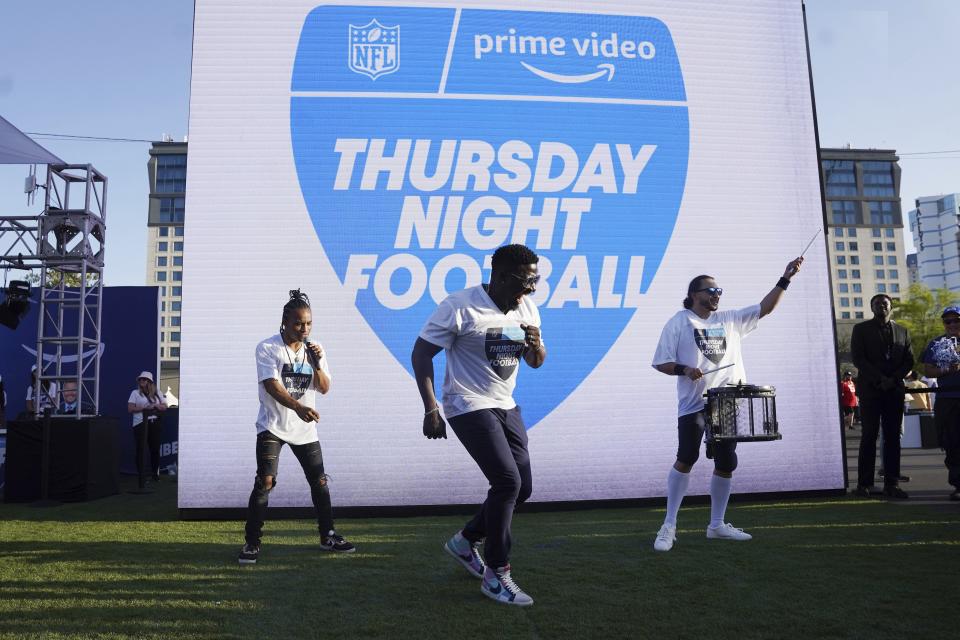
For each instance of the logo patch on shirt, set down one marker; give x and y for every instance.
(504, 346)
(712, 343)
(296, 381)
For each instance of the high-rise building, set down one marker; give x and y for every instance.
(913, 271)
(167, 171)
(864, 223)
(937, 239)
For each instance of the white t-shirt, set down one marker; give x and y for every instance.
(277, 361)
(140, 401)
(47, 398)
(483, 347)
(690, 340)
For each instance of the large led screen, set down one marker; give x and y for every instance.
(374, 156)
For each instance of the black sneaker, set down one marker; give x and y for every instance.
(249, 554)
(334, 542)
(893, 491)
(862, 491)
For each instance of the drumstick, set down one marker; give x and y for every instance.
(811, 242)
(719, 368)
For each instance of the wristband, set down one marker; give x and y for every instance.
(431, 411)
(783, 283)
(679, 370)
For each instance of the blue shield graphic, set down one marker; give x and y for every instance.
(374, 49)
(565, 132)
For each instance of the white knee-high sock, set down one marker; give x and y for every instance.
(719, 496)
(677, 484)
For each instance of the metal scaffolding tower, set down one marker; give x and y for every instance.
(66, 242)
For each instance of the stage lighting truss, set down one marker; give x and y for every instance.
(66, 243)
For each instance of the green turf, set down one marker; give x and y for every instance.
(819, 568)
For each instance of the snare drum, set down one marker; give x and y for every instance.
(741, 413)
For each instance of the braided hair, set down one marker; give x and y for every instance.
(692, 288)
(297, 300)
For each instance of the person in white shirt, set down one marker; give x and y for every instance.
(290, 368)
(486, 330)
(146, 405)
(695, 345)
(48, 397)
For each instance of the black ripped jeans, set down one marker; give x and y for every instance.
(268, 460)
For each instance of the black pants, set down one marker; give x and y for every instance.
(268, 460)
(497, 441)
(946, 414)
(146, 435)
(880, 412)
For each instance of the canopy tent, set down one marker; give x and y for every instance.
(16, 147)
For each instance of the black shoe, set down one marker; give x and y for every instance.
(893, 491)
(903, 478)
(249, 554)
(861, 491)
(334, 542)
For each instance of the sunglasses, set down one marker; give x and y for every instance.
(951, 320)
(714, 291)
(528, 282)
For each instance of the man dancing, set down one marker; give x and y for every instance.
(485, 330)
(697, 345)
(290, 368)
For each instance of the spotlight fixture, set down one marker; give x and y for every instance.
(16, 304)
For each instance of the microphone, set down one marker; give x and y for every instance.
(313, 358)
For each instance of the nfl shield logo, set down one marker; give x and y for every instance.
(373, 49)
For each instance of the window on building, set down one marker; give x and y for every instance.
(855, 274)
(174, 336)
(854, 259)
(841, 259)
(844, 302)
(878, 260)
(894, 288)
(163, 321)
(882, 213)
(878, 274)
(877, 178)
(840, 177)
(161, 276)
(178, 246)
(853, 246)
(893, 274)
(858, 302)
(177, 276)
(844, 212)
(174, 352)
(843, 287)
(839, 246)
(891, 259)
(161, 336)
(842, 274)
(878, 246)
(851, 232)
(163, 232)
(888, 233)
(876, 233)
(171, 210)
(857, 287)
(161, 352)
(177, 291)
(163, 291)
(178, 232)
(858, 315)
(174, 321)
(891, 246)
(163, 305)
(161, 261)
(175, 305)
(171, 173)
(844, 315)
(161, 246)
(881, 287)
(178, 261)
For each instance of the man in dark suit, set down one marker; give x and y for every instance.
(882, 354)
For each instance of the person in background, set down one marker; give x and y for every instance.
(848, 398)
(47, 400)
(69, 399)
(146, 405)
(916, 401)
(941, 360)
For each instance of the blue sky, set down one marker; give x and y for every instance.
(883, 75)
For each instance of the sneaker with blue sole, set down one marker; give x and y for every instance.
(500, 587)
(466, 553)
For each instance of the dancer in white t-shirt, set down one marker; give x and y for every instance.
(486, 330)
(695, 345)
(290, 368)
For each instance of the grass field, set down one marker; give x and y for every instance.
(818, 568)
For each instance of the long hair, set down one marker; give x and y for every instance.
(297, 300)
(691, 288)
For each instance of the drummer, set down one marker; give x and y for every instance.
(701, 346)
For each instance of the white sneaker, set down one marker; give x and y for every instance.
(500, 587)
(665, 538)
(727, 531)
